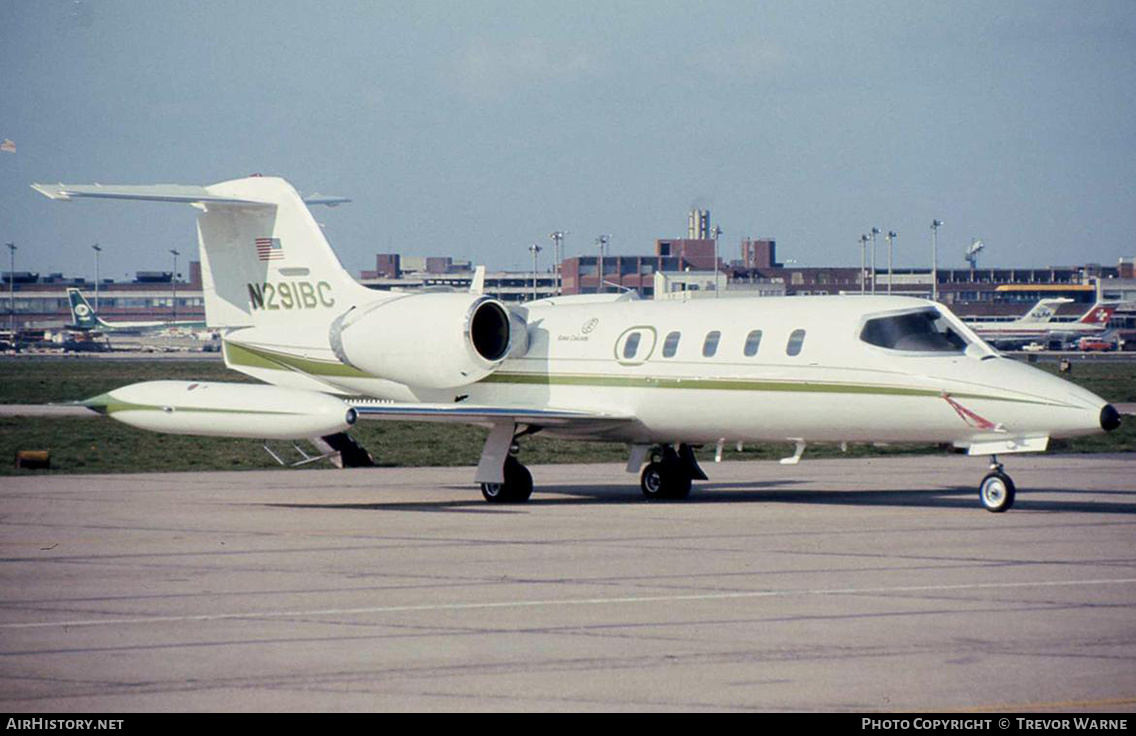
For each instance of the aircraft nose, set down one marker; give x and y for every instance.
(1109, 418)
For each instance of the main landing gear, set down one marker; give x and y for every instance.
(669, 474)
(517, 488)
(996, 492)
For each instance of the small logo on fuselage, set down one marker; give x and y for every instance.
(582, 335)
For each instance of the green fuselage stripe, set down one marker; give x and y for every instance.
(731, 384)
(259, 358)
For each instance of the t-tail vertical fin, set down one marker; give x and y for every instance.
(264, 259)
(1100, 314)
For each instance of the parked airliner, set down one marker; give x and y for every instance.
(659, 376)
(1039, 325)
(84, 317)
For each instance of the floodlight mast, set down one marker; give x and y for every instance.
(891, 237)
(558, 239)
(602, 242)
(12, 290)
(534, 249)
(935, 225)
(863, 265)
(875, 232)
(173, 284)
(717, 231)
(98, 251)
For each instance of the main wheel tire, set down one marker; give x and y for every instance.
(664, 481)
(651, 481)
(996, 492)
(517, 488)
(493, 492)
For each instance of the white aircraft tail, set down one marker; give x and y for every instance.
(1044, 310)
(264, 259)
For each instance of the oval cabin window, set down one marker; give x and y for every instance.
(710, 346)
(632, 345)
(796, 341)
(635, 345)
(753, 342)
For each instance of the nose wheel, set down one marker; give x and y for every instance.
(996, 492)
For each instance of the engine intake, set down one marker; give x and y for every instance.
(434, 340)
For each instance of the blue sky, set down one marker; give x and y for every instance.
(476, 128)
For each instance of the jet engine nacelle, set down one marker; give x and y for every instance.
(226, 409)
(432, 340)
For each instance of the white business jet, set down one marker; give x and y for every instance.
(660, 376)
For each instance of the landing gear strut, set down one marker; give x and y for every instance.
(517, 488)
(668, 475)
(996, 492)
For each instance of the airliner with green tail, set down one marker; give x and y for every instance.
(84, 317)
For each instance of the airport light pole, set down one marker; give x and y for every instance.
(173, 284)
(534, 249)
(891, 236)
(557, 254)
(602, 242)
(717, 232)
(875, 232)
(935, 225)
(863, 248)
(98, 250)
(12, 290)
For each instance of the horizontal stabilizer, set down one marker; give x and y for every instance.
(178, 193)
(152, 193)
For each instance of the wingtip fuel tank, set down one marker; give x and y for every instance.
(225, 409)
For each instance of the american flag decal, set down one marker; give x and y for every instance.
(269, 249)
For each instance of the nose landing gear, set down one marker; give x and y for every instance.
(996, 492)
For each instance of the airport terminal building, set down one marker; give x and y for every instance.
(681, 268)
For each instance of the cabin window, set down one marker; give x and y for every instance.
(710, 346)
(796, 340)
(920, 332)
(635, 345)
(670, 346)
(753, 342)
(632, 345)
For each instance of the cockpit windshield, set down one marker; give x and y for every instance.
(926, 331)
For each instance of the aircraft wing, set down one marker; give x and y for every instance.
(488, 416)
(502, 421)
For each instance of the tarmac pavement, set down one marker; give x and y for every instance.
(837, 585)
